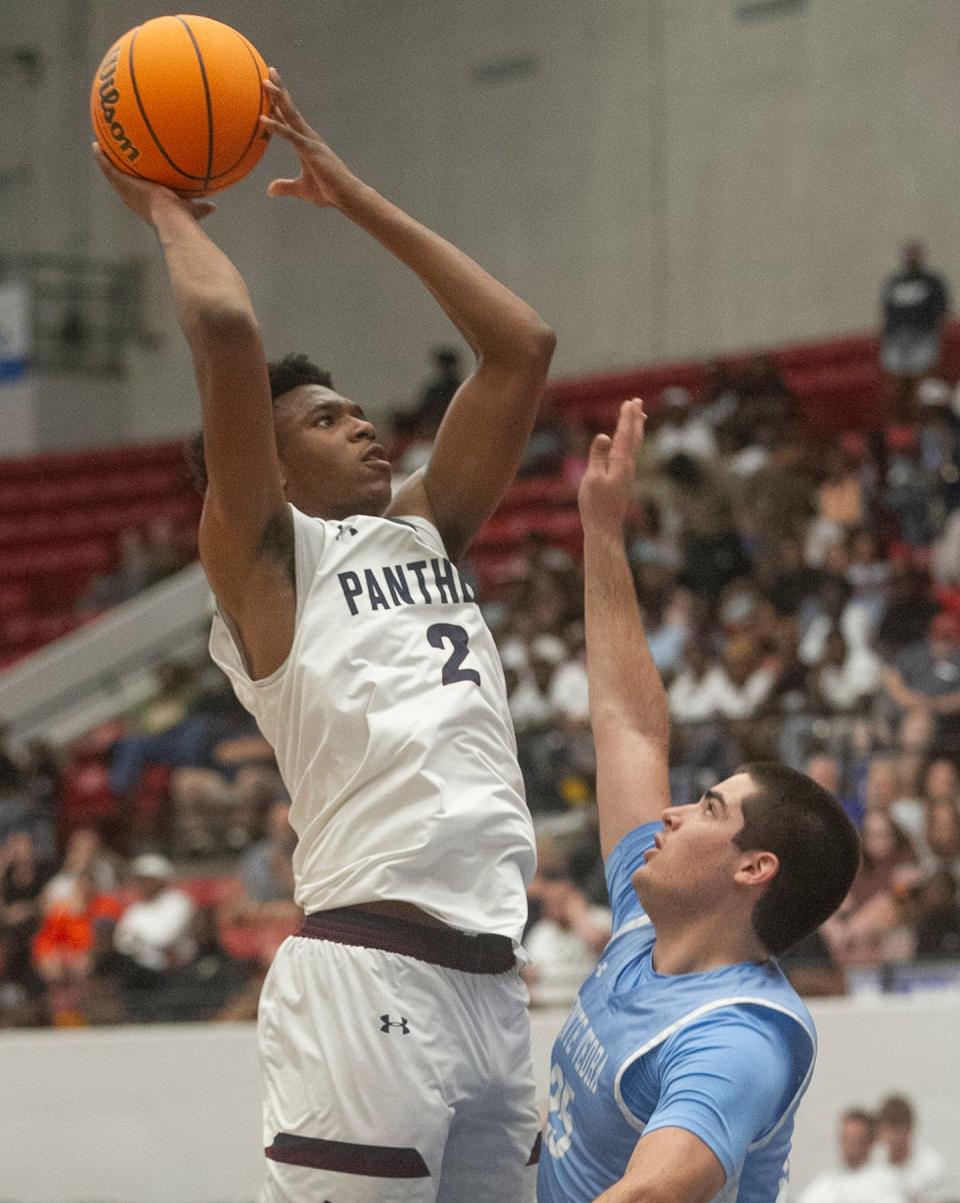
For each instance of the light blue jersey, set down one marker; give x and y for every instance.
(725, 1054)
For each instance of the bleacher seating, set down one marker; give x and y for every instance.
(60, 516)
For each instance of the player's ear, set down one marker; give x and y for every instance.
(757, 868)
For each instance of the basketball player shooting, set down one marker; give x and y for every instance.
(678, 1072)
(393, 1030)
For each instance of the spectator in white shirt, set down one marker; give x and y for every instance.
(694, 695)
(919, 1170)
(856, 1180)
(565, 943)
(845, 675)
(155, 931)
(745, 683)
(683, 431)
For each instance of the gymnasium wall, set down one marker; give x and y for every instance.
(171, 1114)
(660, 178)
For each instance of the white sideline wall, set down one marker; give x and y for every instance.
(170, 1114)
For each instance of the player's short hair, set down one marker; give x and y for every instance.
(859, 1115)
(816, 844)
(895, 1112)
(293, 371)
(285, 374)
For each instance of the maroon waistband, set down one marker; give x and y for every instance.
(436, 945)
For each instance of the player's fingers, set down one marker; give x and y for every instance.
(599, 453)
(202, 208)
(104, 163)
(279, 95)
(285, 130)
(623, 437)
(284, 187)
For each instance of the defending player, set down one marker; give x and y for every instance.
(394, 1036)
(678, 1072)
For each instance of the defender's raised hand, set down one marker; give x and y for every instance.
(324, 177)
(606, 490)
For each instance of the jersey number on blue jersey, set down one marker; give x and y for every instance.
(448, 632)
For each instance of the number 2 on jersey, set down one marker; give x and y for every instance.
(447, 632)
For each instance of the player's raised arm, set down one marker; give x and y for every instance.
(628, 704)
(483, 434)
(246, 536)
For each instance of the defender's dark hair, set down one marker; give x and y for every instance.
(816, 844)
(285, 374)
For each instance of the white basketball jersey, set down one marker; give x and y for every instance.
(391, 729)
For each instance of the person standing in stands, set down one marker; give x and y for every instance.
(914, 303)
(394, 1032)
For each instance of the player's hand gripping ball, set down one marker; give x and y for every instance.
(178, 101)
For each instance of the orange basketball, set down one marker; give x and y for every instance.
(177, 101)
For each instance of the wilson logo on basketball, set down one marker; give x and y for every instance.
(109, 95)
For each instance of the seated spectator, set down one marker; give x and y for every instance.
(868, 573)
(11, 777)
(825, 770)
(209, 985)
(267, 869)
(841, 506)
(745, 681)
(926, 677)
(906, 490)
(85, 854)
(831, 609)
(942, 843)
(695, 692)
(920, 1170)
(786, 578)
(938, 920)
(871, 912)
(909, 612)
(74, 929)
(153, 936)
(683, 430)
(22, 878)
(844, 677)
(260, 913)
(857, 1179)
(565, 941)
(143, 559)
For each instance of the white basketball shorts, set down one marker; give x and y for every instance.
(388, 1079)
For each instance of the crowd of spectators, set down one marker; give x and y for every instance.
(802, 602)
(881, 1161)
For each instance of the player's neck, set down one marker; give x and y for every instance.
(685, 946)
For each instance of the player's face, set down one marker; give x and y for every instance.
(332, 464)
(695, 859)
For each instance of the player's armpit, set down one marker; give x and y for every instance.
(670, 1165)
(480, 444)
(253, 576)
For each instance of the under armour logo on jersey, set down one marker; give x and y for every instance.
(387, 1023)
(602, 969)
(343, 529)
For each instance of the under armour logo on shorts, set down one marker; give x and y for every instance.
(387, 1023)
(343, 529)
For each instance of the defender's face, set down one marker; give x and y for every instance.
(695, 859)
(331, 462)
